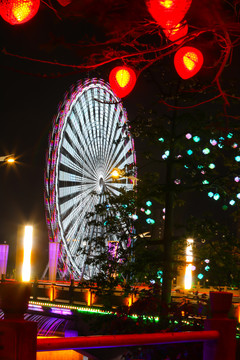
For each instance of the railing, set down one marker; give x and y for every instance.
(18, 338)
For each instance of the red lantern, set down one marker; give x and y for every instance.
(18, 11)
(122, 80)
(188, 61)
(177, 32)
(168, 13)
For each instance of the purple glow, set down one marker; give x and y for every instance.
(61, 311)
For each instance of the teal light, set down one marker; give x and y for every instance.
(224, 207)
(205, 182)
(206, 151)
(189, 152)
(148, 212)
(148, 203)
(200, 276)
(210, 194)
(150, 221)
(186, 167)
(207, 268)
(230, 135)
(167, 152)
(237, 158)
(161, 139)
(232, 202)
(200, 167)
(216, 196)
(238, 195)
(196, 138)
(211, 166)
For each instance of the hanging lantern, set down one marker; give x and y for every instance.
(18, 11)
(168, 13)
(188, 61)
(177, 32)
(122, 80)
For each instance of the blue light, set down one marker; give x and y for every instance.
(216, 196)
(232, 202)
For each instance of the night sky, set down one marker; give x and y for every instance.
(31, 92)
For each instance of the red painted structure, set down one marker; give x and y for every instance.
(106, 341)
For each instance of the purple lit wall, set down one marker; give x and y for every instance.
(53, 260)
(3, 258)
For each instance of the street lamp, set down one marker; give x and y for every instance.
(120, 173)
(7, 158)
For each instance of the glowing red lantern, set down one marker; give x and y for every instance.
(188, 61)
(122, 80)
(177, 32)
(18, 11)
(168, 13)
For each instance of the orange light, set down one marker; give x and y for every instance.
(10, 160)
(122, 80)
(123, 77)
(167, 3)
(18, 11)
(188, 61)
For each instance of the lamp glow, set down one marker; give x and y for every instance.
(27, 249)
(188, 269)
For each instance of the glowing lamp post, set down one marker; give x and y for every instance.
(27, 249)
(188, 61)
(119, 173)
(122, 80)
(18, 11)
(168, 13)
(188, 269)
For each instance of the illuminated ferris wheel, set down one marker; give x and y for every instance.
(90, 138)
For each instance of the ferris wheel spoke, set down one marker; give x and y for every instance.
(79, 126)
(72, 152)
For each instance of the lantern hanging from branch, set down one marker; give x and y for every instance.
(122, 80)
(177, 32)
(188, 61)
(18, 11)
(168, 13)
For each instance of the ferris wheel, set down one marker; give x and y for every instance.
(90, 138)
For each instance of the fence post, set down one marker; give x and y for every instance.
(18, 337)
(225, 348)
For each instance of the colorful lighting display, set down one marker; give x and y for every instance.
(188, 61)
(18, 11)
(122, 80)
(168, 13)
